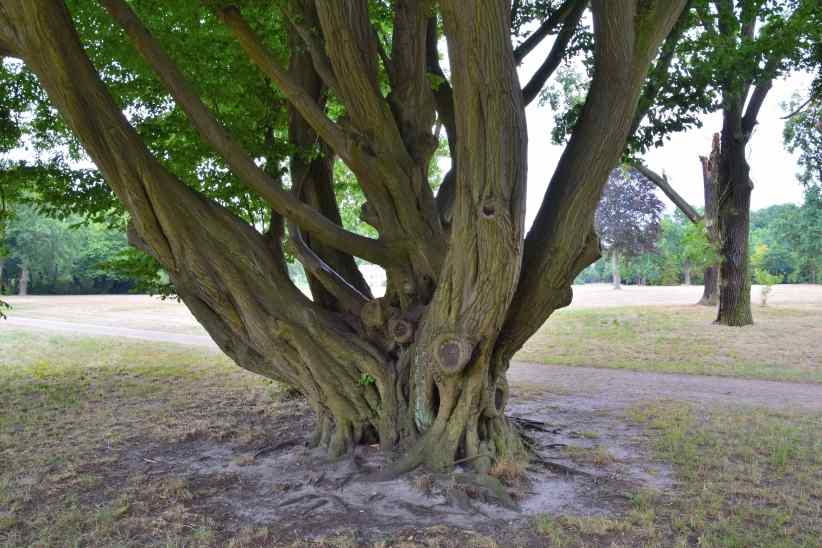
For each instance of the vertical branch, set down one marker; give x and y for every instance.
(561, 241)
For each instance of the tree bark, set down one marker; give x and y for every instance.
(710, 168)
(687, 272)
(710, 291)
(421, 370)
(734, 188)
(616, 280)
(23, 284)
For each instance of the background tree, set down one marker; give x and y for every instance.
(738, 51)
(434, 349)
(703, 241)
(722, 56)
(628, 217)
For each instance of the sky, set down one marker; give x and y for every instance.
(773, 169)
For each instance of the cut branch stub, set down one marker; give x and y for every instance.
(402, 331)
(372, 314)
(452, 353)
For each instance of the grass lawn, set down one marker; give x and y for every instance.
(71, 408)
(784, 344)
(77, 411)
(744, 478)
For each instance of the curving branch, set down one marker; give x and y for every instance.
(236, 157)
(546, 28)
(534, 86)
(444, 99)
(662, 183)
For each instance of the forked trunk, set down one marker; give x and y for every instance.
(616, 279)
(710, 177)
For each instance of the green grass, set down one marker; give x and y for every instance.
(744, 478)
(784, 344)
(71, 409)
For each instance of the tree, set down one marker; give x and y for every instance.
(703, 238)
(743, 46)
(423, 368)
(628, 217)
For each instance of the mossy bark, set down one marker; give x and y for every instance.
(421, 371)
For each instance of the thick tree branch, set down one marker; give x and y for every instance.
(238, 159)
(758, 96)
(306, 25)
(534, 86)
(662, 183)
(352, 48)
(555, 242)
(546, 28)
(265, 60)
(411, 99)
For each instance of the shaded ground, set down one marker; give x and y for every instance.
(112, 441)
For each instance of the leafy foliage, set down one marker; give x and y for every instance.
(628, 216)
(63, 255)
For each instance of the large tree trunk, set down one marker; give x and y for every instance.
(616, 280)
(23, 284)
(733, 214)
(421, 370)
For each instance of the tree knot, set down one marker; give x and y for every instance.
(452, 353)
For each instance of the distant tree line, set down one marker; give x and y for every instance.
(47, 255)
(785, 241)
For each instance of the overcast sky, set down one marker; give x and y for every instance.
(773, 169)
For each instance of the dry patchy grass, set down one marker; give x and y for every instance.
(745, 478)
(784, 344)
(71, 409)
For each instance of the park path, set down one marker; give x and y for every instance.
(596, 389)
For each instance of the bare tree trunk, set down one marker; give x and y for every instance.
(710, 169)
(23, 285)
(2, 281)
(687, 272)
(616, 280)
(734, 207)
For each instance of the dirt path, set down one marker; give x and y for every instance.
(108, 331)
(596, 389)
